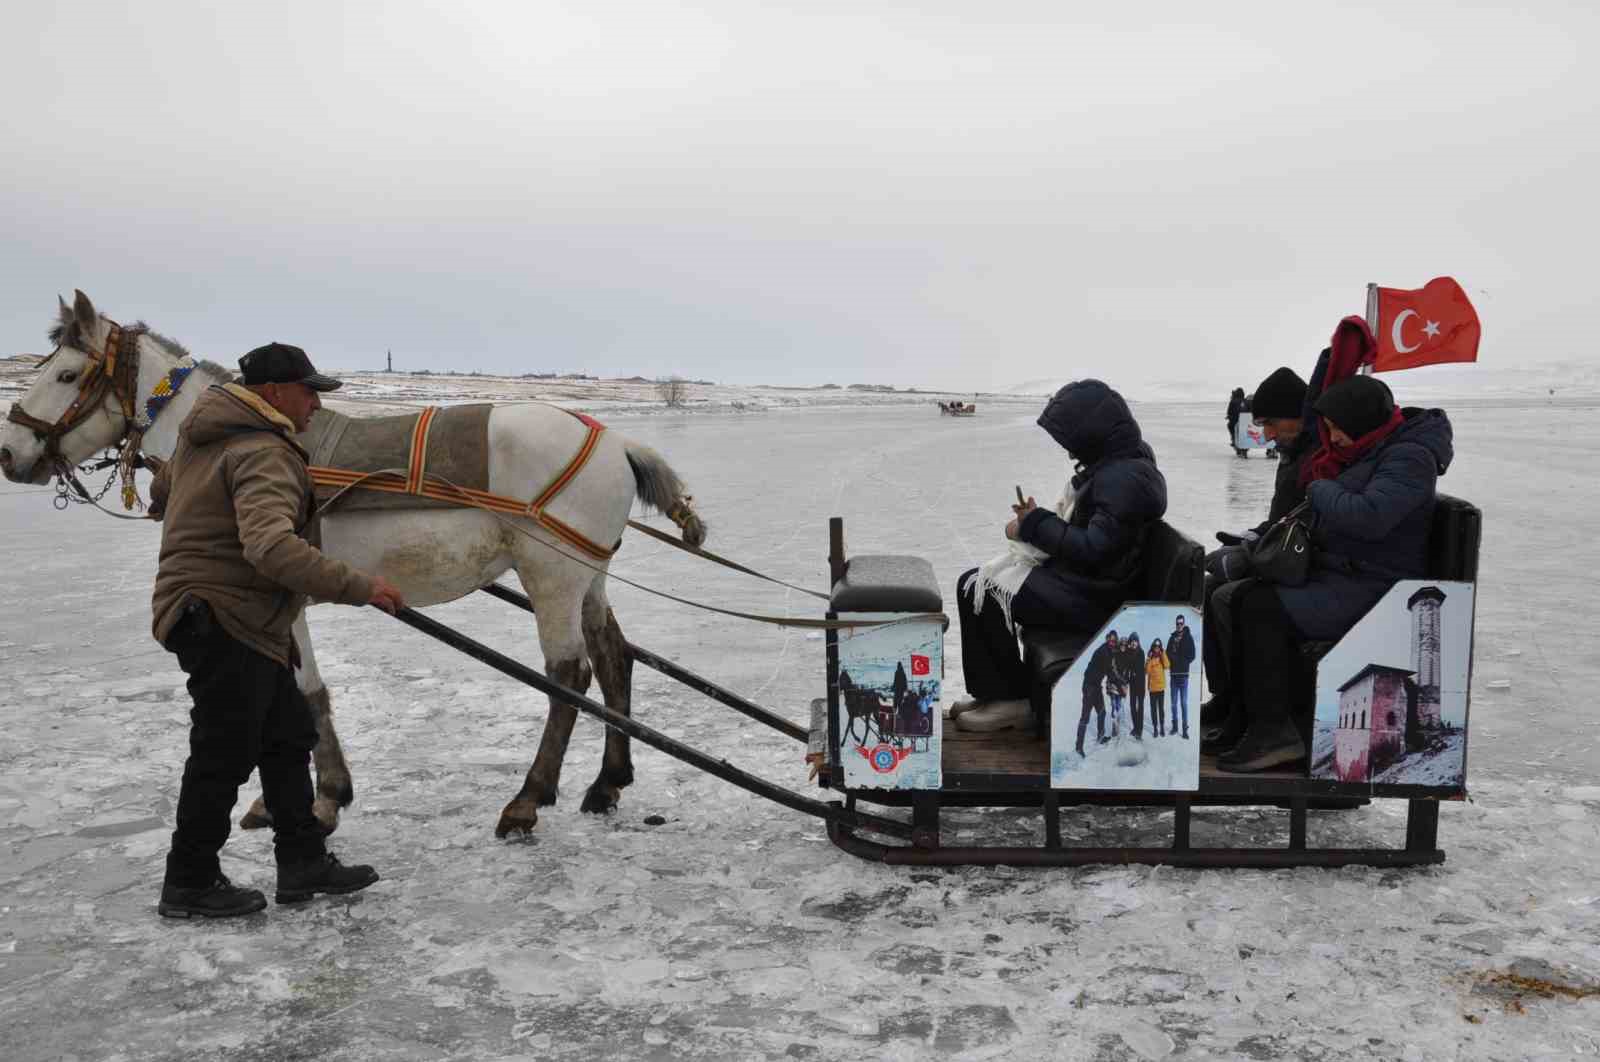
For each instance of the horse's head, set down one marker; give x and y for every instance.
(77, 405)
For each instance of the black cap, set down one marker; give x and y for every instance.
(281, 363)
(1358, 405)
(1281, 395)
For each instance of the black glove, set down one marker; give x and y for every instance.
(1228, 563)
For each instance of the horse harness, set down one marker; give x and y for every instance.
(416, 481)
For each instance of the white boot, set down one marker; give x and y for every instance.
(993, 715)
(966, 705)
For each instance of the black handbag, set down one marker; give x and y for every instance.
(1283, 554)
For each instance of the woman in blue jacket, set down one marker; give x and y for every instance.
(1370, 489)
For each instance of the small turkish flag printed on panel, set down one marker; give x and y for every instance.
(1429, 326)
(919, 664)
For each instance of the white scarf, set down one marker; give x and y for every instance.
(1004, 575)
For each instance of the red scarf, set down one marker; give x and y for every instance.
(1333, 459)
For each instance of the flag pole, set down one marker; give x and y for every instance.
(1372, 317)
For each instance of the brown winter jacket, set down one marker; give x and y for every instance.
(236, 508)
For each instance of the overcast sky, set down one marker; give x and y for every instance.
(961, 195)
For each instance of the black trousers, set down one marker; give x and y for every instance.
(1136, 709)
(248, 714)
(1157, 718)
(1267, 656)
(1218, 641)
(991, 660)
(1094, 699)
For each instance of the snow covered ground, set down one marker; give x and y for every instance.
(734, 929)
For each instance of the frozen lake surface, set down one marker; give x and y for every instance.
(735, 930)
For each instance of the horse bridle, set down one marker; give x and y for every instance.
(115, 368)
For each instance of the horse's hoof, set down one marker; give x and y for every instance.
(548, 800)
(257, 818)
(326, 812)
(517, 820)
(600, 800)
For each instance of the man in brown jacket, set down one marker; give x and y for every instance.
(238, 563)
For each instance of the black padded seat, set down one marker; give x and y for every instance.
(877, 582)
(1453, 539)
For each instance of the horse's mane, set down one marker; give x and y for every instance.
(65, 332)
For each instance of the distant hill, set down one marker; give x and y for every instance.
(1556, 379)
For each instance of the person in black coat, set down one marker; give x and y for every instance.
(1278, 407)
(1102, 665)
(1180, 657)
(1371, 487)
(1095, 555)
(1235, 408)
(1131, 664)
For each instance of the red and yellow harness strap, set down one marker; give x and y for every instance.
(416, 481)
(419, 451)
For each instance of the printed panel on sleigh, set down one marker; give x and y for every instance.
(887, 715)
(1122, 717)
(1248, 436)
(1391, 712)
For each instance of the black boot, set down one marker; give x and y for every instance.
(323, 873)
(1215, 712)
(221, 899)
(1220, 740)
(1265, 746)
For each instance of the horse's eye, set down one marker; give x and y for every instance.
(67, 376)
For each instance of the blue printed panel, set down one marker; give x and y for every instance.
(1248, 436)
(1126, 715)
(889, 710)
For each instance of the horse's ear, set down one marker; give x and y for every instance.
(83, 312)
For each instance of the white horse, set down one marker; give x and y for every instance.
(84, 401)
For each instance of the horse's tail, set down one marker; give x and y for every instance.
(660, 488)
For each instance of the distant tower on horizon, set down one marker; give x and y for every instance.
(390, 353)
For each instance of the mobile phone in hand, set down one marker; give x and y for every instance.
(1020, 499)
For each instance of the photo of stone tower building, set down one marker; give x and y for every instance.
(1374, 703)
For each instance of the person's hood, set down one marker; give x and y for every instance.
(1367, 350)
(231, 409)
(1092, 422)
(1429, 428)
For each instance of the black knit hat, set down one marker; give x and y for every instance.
(1281, 395)
(281, 363)
(1357, 406)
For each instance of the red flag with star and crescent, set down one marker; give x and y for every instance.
(1432, 325)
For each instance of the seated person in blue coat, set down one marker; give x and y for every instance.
(1067, 568)
(1370, 488)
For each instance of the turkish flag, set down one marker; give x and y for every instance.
(919, 664)
(1429, 326)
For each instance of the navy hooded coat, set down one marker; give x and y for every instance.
(1096, 555)
(1370, 526)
